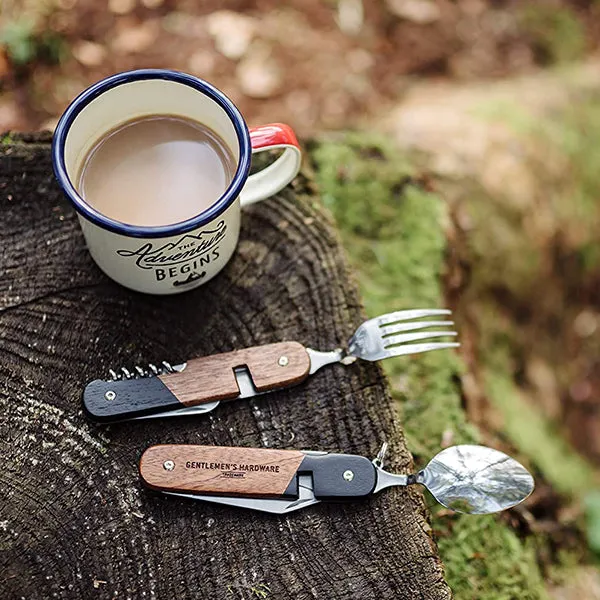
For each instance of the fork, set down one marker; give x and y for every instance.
(198, 386)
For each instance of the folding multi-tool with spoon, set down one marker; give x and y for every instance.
(198, 386)
(467, 478)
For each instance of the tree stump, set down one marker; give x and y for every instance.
(76, 522)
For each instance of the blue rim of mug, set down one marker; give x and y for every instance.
(93, 92)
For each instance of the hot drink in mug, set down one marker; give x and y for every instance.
(156, 164)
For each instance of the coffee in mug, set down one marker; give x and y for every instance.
(157, 164)
(156, 170)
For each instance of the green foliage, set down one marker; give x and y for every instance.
(557, 34)
(592, 516)
(577, 135)
(393, 230)
(535, 437)
(24, 44)
(18, 39)
(545, 275)
(494, 563)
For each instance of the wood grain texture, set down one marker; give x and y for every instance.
(73, 509)
(211, 377)
(210, 470)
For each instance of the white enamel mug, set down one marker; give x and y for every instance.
(171, 258)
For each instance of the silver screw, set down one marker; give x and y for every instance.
(110, 395)
(348, 475)
(168, 465)
(283, 361)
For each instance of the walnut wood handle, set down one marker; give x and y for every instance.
(224, 471)
(255, 472)
(205, 379)
(211, 377)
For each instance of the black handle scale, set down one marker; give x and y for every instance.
(129, 398)
(336, 476)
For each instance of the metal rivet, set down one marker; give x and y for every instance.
(168, 465)
(283, 361)
(348, 475)
(110, 395)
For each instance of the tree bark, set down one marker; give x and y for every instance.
(76, 522)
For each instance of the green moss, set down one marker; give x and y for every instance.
(538, 439)
(7, 139)
(495, 563)
(555, 31)
(393, 230)
(570, 192)
(526, 309)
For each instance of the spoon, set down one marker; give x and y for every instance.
(469, 479)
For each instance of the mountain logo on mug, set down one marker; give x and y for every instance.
(186, 248)
(185, 257)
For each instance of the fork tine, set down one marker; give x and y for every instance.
(418, 348)
(405, 315)
(389, 329)
(411, 337)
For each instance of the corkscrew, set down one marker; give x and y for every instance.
(151, 370)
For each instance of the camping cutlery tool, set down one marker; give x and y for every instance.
(197, 387)
(468, 479)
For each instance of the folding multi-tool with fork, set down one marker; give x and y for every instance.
(198, 386)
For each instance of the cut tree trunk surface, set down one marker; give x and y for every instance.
(75, 521)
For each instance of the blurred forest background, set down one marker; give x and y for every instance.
(475, 183)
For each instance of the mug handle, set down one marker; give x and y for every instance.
(278, 174)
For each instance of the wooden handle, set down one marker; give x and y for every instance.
(205, 379)
(249, 472)
(211, 378)
(255, 472)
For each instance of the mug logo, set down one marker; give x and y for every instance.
(182, 261)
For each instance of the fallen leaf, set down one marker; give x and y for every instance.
(201, 62)
(89, 54)
(417, 11)
(350, 16)
(231, 32)
(121, 7)
(135, 39)
(258, 74)
(586, 323)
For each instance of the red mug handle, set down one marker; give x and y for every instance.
(279, 173)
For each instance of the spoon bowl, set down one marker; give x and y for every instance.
(476, 480)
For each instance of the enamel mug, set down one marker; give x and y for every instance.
(175, 258)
